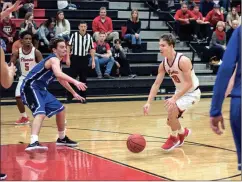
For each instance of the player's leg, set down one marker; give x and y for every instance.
(33, 99)
(23, 118)
(184, 103)
(235, 120)
(172, 121)
(54, 107)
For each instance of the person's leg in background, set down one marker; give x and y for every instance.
(113, 36)
(84, 61)
(72, 72)
(96, 36)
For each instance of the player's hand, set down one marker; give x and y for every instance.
(214, 124)
(93, 64)
(146, 108)
(80, 86)
(170, 103)
(78, 97)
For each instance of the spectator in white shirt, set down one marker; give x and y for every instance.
(63, 28)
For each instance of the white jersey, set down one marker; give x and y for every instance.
(177, 74)
(27, 61)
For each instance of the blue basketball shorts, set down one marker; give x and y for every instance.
(40, 101)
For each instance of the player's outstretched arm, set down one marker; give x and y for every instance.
(14, 57)
(7, 72)
(55, 65)
(70, 89)
(38, 56)
(186, 67)
(155, 87)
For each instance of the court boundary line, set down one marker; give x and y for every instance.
(123, 164)
(227, 177)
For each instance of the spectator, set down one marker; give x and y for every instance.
(225, 4)
(63, 28)
(30, 26)
(203, 28)
(65, 5)
(214, 16)
(3, 45)
(121, 60)
(218, 42)
(206, 6)
(233, 15)
(8, 32)
(103, 23)
(235, 24)
(103, 56)
(28, 7)
(185, 22)
(133, 31)
(190, 4)
(46, 32)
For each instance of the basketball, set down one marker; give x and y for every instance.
(136, 143)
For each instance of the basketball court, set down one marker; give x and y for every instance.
(102, 129)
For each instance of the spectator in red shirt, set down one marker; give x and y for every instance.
(214, 16)
(103, 56)
(185, 23)
(104, 23)
(8, 32)
(203, 28)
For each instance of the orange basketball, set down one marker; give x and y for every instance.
(136, 143)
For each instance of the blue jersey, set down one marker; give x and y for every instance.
(40, 77)
(230, 59)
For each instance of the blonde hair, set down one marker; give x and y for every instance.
(220, 23)
(132, 12)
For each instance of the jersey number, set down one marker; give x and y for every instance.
(26, 65)
(175, 78)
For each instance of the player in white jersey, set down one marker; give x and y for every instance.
(28, 56)
(187, 92)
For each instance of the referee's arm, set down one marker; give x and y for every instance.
(92, 52)
(69, 45)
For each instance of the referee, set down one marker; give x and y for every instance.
(80, 44)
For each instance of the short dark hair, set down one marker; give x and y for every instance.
(82, 22)
(169, 38)
(54, 42)
(25, 33)
(117, 41)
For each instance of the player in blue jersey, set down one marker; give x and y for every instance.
(42, 103)
(231, 58)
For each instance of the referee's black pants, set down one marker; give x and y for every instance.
(79, 67)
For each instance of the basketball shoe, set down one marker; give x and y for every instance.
(36, 146)
(182, 137)
(171, 143)
(3, 176)
(22, 120)
(66, 142)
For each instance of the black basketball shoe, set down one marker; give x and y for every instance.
(36, 146)
(66, 142)
(3, 176)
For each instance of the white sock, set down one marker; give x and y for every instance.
(181, 131)
(34, 138)
(24, 114)
(65, 121)
(62, 134)
(174, 133)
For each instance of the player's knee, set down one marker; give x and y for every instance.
(168, 122)
(173, 113)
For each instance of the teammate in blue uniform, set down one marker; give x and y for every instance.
(35, 95)
(231, 58)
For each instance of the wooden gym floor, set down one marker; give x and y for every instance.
(102, 129)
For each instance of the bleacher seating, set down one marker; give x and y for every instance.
(143, 64)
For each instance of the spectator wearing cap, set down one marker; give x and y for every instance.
(214, 16)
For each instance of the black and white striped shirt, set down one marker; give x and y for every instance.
(81, 44)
